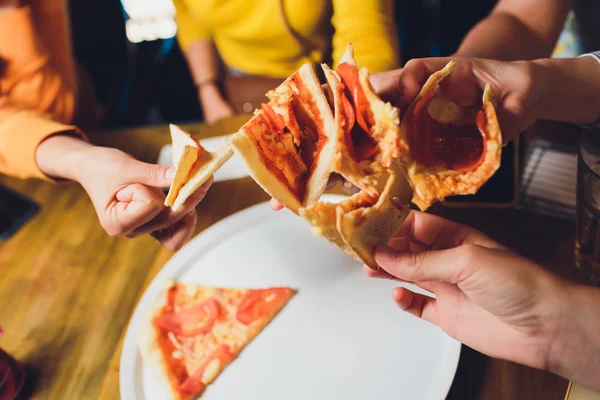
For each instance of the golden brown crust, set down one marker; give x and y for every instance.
(364, 228)
(190, 173)
(183, 167)
(435, 184)
(151, 352)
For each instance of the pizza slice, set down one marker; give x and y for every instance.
(367, 128)
(195, 331)
(288, 145)
(293, 143)
(366, 152)
(447, 149)
(194, 165)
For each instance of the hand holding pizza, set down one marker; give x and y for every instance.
(126, 193)
(516, 86)
(491, 299)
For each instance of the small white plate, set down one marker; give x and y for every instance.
(339, 337)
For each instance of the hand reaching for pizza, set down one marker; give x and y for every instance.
(515, 85)
(126, 193)
(493, 300)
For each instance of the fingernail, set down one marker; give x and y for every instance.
(170, 174)
(384, 254)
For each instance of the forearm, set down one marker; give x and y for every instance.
(204, 66)
(502, 36)
(61, 156)
(575, 354)
(568, 89)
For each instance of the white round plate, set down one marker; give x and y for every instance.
(340, 337)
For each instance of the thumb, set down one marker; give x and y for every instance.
(450, 265)
(153, 175)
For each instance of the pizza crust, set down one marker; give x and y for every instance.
(248, 151)
(189, 176)
(303, 84)
(356, 225)
(210, 165)
(151, 352)
(364, 228)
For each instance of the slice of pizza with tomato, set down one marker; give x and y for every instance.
(195, 331)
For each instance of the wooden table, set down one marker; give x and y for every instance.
(68, 290)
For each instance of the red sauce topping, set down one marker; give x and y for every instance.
(288, 153)
(436, 144)
(192, 321)
(275, 119)
(262, 302)
(359, 142)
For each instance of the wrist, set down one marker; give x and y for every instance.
(61, 156)
(569, 89)
(575, 352)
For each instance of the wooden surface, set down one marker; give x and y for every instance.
(68, 290)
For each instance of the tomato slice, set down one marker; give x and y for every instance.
(437, 144)
(194, 385)
(349, 75)
(261, 302)
(275, 119)
(192, 321)
(349, 115)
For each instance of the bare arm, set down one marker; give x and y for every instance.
(517, 30)
(202, 58)
(568, 89)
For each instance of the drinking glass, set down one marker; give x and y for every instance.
(587, 242)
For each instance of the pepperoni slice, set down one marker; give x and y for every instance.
(261, 302)
(192, 321)
(436, 144)
(193, 384)
(349, 75)
(349, 115)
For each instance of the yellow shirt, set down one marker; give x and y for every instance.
(251, 35)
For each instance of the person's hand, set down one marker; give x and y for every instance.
(487, 297)
(125, 192)
(515, 85)
(214, 105)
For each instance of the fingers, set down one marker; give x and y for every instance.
(427, 231)
(133, 206)
(382, 274)
(167, 217)
(453, 266)
(275, 205)
(419, 305)
(153, 175)
(174, 237)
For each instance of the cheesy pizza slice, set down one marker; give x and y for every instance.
(195, 331)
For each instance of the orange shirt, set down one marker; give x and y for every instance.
(38, 83)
